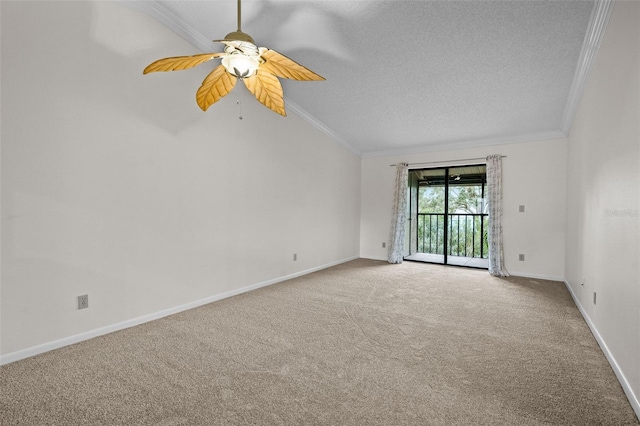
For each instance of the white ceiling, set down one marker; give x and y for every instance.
(411, 76)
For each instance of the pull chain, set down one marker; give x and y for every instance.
(239, 103)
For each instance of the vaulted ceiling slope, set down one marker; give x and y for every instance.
(412, 76)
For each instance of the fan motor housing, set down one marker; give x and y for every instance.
(239, 35)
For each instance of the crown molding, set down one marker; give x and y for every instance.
(161, 14)
(595, 32)
(320, 126)
(464, 144)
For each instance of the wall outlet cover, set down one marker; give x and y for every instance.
(83, 301)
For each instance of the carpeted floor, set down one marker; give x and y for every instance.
(363, 343)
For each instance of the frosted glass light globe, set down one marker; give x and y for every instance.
(239, 65)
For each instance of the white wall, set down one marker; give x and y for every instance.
(603, 219)
(533, 176)
(118, 186)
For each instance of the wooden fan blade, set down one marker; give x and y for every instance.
(214, 87)
(267, 90)
(178, 63)
(278, 64)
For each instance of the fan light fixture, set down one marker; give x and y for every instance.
(258, 67)
(241, 66)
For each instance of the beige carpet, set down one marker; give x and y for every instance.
(363, 343)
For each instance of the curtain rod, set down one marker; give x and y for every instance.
(446, 161)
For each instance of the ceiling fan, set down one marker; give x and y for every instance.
(258, 67)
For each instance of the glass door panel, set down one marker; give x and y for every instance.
(430, 232)
(467, 219)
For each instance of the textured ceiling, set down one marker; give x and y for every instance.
(410, 76)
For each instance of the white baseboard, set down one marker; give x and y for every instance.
(537, 277)
(631, 396)
(373, 258)
(56, 344)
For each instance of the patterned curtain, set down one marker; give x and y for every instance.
(494, 199)
(399, 219)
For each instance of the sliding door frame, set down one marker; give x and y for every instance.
(414, 204)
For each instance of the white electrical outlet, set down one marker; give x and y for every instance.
(83, 301)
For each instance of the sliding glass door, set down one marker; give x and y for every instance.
(449, 221)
